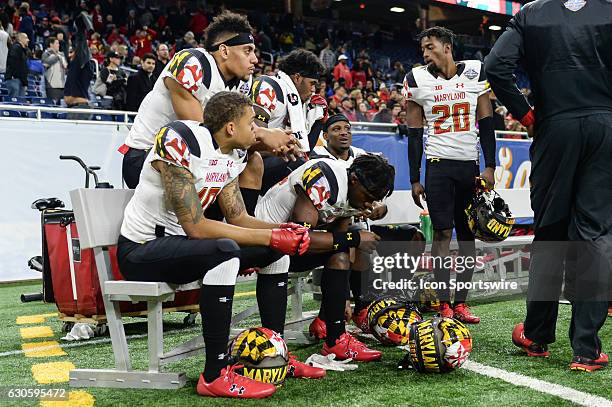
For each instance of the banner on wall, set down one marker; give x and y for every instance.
(512, 171)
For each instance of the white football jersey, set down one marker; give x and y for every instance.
(196, 71)
(324, 181)
(323, 152)
(450, 108)
(187, 144)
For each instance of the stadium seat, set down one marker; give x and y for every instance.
(35, 93)
(3, 91)
(11, 100)
(103, 117)
(43, 115)
(42, 101)
(10, 113)
(61, 116)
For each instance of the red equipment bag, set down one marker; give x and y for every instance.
(74, 278)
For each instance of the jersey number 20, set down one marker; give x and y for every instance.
(461, 118)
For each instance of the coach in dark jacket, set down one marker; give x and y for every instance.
(17, 66)
(565, 47)
(141, 83)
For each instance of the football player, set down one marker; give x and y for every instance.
(338, 138)
(287, 101)
(325, 194)
(184, 87)
(452, 97)
(166, 237)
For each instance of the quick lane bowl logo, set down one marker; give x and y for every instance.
(574, 5)
(470, 73)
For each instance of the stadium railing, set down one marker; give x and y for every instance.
(42, 113)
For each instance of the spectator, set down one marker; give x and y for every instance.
(348, 109)
(132, 24)
(4, 41)
(142, 41)
(141, 83)
(395, 111)
(44, 29)
(97, 18)
(112, 81)
(198, 22)
(332, 107)
(400, 119)
(17, 66)
(383, 115)
(188, 41)
(96, 54)
(115, 36)
(163, 57)
(342, 71)
(26, 22)
(339, 94)
(55, 70)
(327, 56)
(265, 43)
(358, 74)
(362, 112)
(398, 74)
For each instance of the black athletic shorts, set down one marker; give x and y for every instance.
(133, 161)
(449, 187)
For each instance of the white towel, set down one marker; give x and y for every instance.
(297, 113)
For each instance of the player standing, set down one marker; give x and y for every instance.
(452, 97)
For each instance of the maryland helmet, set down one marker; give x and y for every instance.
(389, 319)
(489, 217)
(438, 345)
(262, 353)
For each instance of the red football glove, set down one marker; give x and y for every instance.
(294, 226)
(248, 271)
(318, 100)
(289, 241)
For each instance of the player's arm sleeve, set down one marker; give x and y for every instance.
(501, 63)
(415, 140)
(172, 146)
(320, 185)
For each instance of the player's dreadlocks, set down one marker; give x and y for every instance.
(223, 26)
(375, 173)
(303, 62)
(444, 35)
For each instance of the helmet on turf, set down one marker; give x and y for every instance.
(263, 354)
(390, 318)
(438, 345)
(489, 217)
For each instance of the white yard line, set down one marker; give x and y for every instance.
(566, 393)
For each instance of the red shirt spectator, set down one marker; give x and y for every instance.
(142, 41)
(358, 74)
(97, 18)
(198, 22)
(115, 36)
(343, 71)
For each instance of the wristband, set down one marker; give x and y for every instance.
(344, 240)
(528, 119)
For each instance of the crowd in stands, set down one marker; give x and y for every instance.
(131, 48)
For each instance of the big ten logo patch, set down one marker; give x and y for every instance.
(504, 174)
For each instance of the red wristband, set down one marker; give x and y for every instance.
(528, 119)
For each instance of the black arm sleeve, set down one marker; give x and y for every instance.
(501, 63)
(315, 131)
(415, 153)
(487, 140)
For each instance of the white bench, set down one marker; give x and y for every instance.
(98, 214)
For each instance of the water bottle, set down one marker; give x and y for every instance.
(426, 226)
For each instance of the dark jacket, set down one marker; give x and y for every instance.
(17, 64)
(566, 49)
(138, 85)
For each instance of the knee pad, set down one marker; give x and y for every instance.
(280, 266)
(223, 274)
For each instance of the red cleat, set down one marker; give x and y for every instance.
(527, 345)
(583, 364)
(317, 328)
(348, 347)
(463, 314)
(296, 369)
(445, 310)
(361, 320)
(231, 384)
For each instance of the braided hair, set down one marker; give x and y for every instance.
(375, 174)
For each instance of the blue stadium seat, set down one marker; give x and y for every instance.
(33, 93)
(102, 117)
(12, 100)
(3, 91)
(42, 101)
(61, 115)
(9, 113)
(43, 115)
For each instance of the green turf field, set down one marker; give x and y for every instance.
(373, 384)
